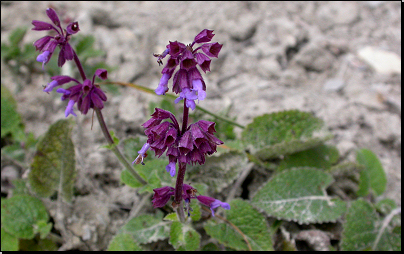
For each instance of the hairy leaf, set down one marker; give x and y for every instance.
(299, 195)
(219, 171)
(373, 177)
(183, 235)
(364, 230)
(53, 168)
(10, 118)
(249, 221)
(123, 242)
(147, 228)
(21, 214)
(321, 157)
(9, 242)
(272, 135)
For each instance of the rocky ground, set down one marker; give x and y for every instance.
(339, 60)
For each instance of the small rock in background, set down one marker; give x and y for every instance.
(334, 85)
(337, 13)
(386, 126)
(315, 58)
(383, 62)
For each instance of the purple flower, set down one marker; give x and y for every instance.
(191, 147)
(87, 95)
(212, 203)
(171, 168)
(163, 194)
(188, 81)
(47, 44)
(142, 154)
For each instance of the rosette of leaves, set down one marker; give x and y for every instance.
(272, 135)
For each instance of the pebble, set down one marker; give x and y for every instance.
(334, 85)
(383, 62)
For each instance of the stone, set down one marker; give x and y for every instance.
(382, 61)
(314, 58)
(334, 85)
(337, 13)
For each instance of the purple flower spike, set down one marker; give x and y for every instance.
(188, 58)
(171, 168)
(212, 203)
(48, 44)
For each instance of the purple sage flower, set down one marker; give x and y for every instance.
(197, 141)
(87, 95)
(47, 44)
(212, 203)
(162, 196)
(188, 81)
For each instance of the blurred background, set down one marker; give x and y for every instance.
(339, 60)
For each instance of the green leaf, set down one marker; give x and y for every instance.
(43, 228)
(196, 211)
(363, 230)
(10, 119)
(21, 213)
(8, 241)
(273, 135)
(114, 138)
(53, 168)
(20, 187)
(147, 228)
(321, 157)
(373, 177)
(38, 244)
(219, 171)
(128, 179)
(123, 242)
(17, 35)
(385, 206)
(182, 235)
(299, 195)
(84, 43)
(171, 217)
(249, 221)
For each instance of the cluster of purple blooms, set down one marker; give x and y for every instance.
(87, 95)
(187, 146)
(188, 81)
(191, 145)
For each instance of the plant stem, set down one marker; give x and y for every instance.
(182, 167)
(105, 131)
(79, 66)
(178, 191)
(115, 149)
